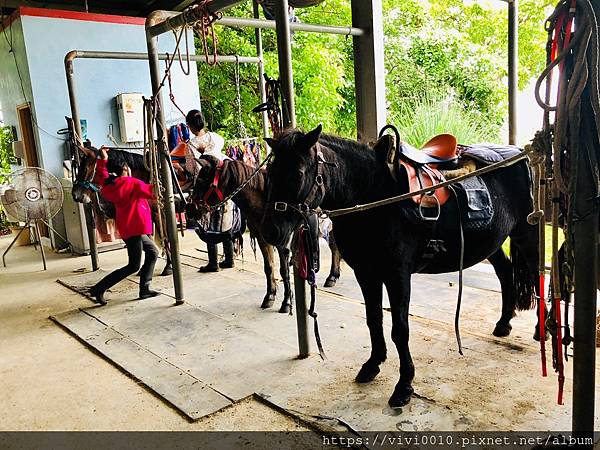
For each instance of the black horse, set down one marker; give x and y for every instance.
(85, 192)
(384, 245)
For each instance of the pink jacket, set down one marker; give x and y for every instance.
(130, 197)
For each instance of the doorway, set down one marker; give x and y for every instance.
(29, 147)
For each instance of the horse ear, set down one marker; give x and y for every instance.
(87, 151)
(384, 148)
(312, 137)
(270, 142)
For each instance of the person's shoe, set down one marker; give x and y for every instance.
(148, 294)
(97, 297)
(208, 268)
(226, 264)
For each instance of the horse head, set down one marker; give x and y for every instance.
(83, 187)
(295, 183)
(206, 191)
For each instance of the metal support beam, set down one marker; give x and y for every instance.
(75, 115)
(513, 69)
(284, 57)
(261, 69)
(585, 244)
(294, 26)
(369, 70)
(86, 209)
(163, 154)
(284, 53)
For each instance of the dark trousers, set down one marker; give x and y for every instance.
(135, 246)
(227, 251)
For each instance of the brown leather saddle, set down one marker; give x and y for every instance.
(422, 171)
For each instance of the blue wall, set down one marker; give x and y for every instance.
(98, 81)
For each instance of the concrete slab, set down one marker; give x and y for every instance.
(190, 395)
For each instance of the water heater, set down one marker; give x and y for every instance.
(131, 117)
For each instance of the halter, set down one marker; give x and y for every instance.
(316, 194)
(88, 182)
(214, 186)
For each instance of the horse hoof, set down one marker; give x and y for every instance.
(330, 281)
(367, 373)
(285, 309)
(502, 330)
(401, 395)
(268, 302)
(166, 271)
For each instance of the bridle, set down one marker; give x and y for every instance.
(315, 195)
(214, 186)
(88, 182)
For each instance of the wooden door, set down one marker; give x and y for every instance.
(30, 148)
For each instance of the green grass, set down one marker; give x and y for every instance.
(548, 246)
(429, 116)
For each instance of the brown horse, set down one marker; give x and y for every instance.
(251, 201)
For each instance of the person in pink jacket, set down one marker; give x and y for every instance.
(134, 222)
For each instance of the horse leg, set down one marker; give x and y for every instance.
(284, 271)
(268, 259)
(372, 290)
(503, 268)
(336, 259)
(168, 270)
(398, 288)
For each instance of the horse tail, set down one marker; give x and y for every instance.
(523, 279)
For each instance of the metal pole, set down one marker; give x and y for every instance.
(174, 21)
(87, 209)
(369, 70)
(144, 56)
(261, 70)
(165, 175)
(513, 69)
(284, 57)
(38, 236)
(284, 53)
(242, 22)
(585, 231)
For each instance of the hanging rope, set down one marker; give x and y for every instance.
(205, 29)
(575, 53)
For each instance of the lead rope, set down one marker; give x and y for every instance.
(306, 255)
(460, 273)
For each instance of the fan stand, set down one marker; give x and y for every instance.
(38, 239)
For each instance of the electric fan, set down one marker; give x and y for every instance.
(33, 195)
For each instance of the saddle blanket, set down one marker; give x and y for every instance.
(488, 153)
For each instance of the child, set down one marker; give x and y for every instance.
(134, 222)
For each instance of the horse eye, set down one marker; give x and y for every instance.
(300, 173)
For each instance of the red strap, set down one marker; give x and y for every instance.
(214, 187)
(542, 324)
(559, 351)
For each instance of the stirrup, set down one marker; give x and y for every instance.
(438, 207)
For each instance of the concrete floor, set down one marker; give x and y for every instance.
(54, 382)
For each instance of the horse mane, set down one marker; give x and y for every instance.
(290, 139)
(240, 172)
(119, 158)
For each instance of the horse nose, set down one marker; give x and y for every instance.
(270, 232)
